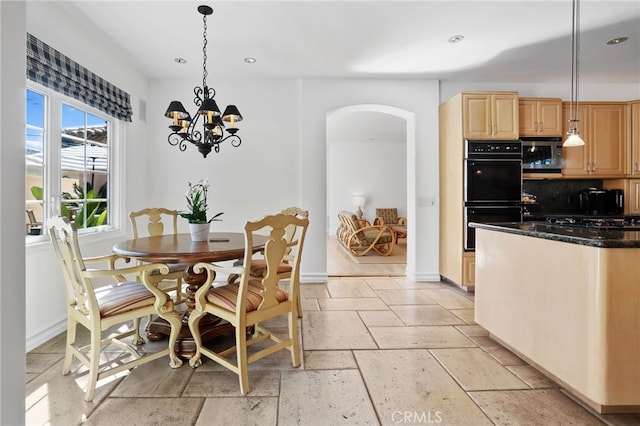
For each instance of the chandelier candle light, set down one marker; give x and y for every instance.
(185, 129)
(574, 138)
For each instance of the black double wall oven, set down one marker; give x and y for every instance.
(493, 184)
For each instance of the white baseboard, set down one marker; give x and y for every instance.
(421, 277)
(314, 278)
(46, 335)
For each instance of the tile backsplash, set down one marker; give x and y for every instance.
(557, 196)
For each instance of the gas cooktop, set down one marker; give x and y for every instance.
(627, 223)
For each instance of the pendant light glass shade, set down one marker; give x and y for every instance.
(574, 139)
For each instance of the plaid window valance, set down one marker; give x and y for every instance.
(52, 69)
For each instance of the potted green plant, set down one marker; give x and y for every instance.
(197, 212)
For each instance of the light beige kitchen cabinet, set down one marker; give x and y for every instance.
(635, 137)
(469, 269)
(602, 126)
(632, 197)
(490, 115)
(540, 116)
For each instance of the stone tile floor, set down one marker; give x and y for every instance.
(377, 351)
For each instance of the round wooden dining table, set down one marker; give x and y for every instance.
(178, 248)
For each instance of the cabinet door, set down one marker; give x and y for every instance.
(635, 138)
(476, 116)
(505, 116)
(528, 117)
(633, 197)
(607, 138)
(469, 270)
(575, 160)
(549, 118)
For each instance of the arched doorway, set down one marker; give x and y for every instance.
(368, 148)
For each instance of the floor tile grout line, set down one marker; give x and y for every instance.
(364, 382)
(459, 384)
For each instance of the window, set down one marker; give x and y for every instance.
(35, 161)
(71, 119)
(68, 152)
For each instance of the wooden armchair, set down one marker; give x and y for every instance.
(389, 217)
(153, 217)
(252, 300)
(101, 307)
(259, 265)
(360, 240)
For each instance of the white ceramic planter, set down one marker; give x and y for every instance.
(199, 231)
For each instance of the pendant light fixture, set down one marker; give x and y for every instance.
(206, 130)
(574, 138)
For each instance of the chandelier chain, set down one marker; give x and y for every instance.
(204, 54)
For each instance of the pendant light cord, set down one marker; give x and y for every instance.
(575, 62)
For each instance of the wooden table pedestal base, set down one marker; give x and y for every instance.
(210, 326)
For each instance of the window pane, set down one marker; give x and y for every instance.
(34, 164)
(84, 162)
(35, 109)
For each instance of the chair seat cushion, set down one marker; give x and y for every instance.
(370, 236)
(123, 297)
(259, 266)
(227, 296)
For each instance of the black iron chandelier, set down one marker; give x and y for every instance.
(210, 132)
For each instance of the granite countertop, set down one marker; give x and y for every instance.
(567, 233)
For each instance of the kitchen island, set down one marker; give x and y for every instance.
(567, 300)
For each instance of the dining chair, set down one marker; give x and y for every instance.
(252, 300)
(153, 217)
(99, 306)
(33, 226)
(389, 217)
(259, 267)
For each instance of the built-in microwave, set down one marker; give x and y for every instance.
(541, 154)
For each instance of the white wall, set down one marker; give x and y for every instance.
(377, 170)
(260, 176)
(12, 256)
(282, 160)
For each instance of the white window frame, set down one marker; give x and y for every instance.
(52, 171)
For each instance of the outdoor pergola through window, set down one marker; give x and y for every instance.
(67, 163)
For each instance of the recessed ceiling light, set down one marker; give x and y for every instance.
(180, 60)
(456, 39)
(250, 60)
(617, 40)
